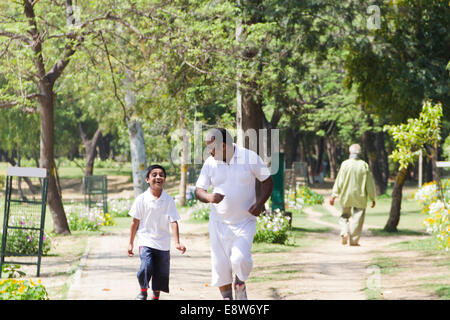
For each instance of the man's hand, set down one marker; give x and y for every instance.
(256, 209)
(130, 250)
(373, 204)
(332, 201)
(215, 197)
(180, 247)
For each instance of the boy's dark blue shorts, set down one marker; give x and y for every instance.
(155, 265)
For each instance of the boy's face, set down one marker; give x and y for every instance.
(156, 179)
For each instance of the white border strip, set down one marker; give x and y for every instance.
(26, 172)
(442, 164)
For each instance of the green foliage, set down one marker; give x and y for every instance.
(82, 219)
(273, 228)
(200, 212)
(413, 136)
(308, 196)
(12, 271)
(397, 65)
(12, 289)
(446, 149)
(25, 241)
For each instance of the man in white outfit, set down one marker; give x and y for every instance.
(231, 171)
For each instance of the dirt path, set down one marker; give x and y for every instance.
(324, 269)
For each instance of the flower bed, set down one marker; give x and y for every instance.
(273, 228)
(83, 219)
(25, 241)
(437, 219)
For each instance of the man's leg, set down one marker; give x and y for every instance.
(343, 222)
(226, 291)
(241, 257)
(221, 272)
(356, 225)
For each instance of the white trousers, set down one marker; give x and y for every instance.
(231, 247)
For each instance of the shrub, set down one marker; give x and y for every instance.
(119, 207)
(14, 289)
(273, 228)
(308, 196)
(200, 212)
(437, 219)
(24, 241)
(83, 219)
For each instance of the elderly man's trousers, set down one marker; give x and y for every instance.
(352, 223)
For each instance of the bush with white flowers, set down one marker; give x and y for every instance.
(273, 228)
(437, 212)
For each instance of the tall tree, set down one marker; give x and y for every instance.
(38, 39)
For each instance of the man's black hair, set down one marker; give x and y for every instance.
(226, 136)
(155, 166)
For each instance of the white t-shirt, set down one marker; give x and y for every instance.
(236, 181)
(155, 216)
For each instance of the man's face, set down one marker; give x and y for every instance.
(217, 153)
(156, 179)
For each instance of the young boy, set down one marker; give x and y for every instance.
(154, 214)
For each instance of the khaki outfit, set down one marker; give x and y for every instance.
(353, 186)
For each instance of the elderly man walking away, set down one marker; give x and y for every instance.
(353, 185)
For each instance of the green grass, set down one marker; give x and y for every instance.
(443, 291)
(386, 264)
(411, 217)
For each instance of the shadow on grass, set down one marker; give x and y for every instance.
(402, 232)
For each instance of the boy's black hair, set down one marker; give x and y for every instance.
(155, 166)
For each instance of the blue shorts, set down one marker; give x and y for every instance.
(155, 266)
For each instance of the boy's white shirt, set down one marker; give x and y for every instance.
(236, 181)
(154, 215)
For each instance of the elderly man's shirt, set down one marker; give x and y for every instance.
(236, 181)
(354, 184)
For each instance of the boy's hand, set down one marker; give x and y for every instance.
(180, 247)
(130, 250)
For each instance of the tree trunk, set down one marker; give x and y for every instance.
(376, 156)
(138, 157)
(47, 159)
(374, 163)
(184, 161)
(383, 162)
(330, 147)
(90, 145)
(396, 204)
(136, 136)
(291, 146)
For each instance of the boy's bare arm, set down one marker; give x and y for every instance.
(133, 230)
(176, 235)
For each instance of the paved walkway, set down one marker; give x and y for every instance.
(106, 272)
(327, 270)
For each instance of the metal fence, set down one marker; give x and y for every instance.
(24, 217)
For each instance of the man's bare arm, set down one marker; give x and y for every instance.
(204, 196)
(266, 191)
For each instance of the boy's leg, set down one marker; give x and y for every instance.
(161, 271)
(145, 271)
